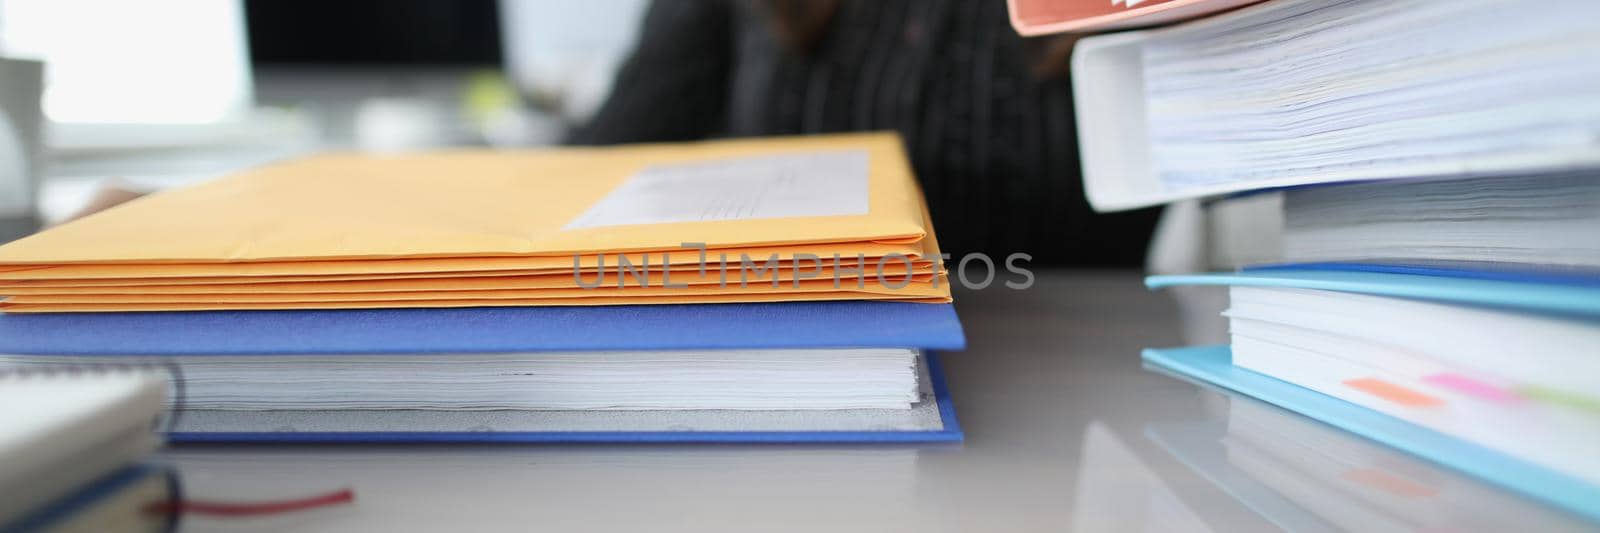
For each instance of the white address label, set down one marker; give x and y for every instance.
(810, 184)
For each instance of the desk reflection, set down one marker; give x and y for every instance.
(1302, 475)
(560, 488)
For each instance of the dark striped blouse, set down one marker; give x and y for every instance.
(992, 142)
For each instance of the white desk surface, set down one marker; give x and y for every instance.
(1063, 427)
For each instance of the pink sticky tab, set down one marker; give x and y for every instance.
(1472, 387)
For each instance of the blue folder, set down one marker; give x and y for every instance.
(1555, 295)
(511, 329)
(1214, 365)
(1567, 294)
(487, 329)
(1517, 272)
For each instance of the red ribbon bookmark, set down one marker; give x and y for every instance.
(252, 509)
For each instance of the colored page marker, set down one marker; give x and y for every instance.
(1393, 393)
(1561, 397)
(1472, 387)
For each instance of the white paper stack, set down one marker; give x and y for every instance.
(796, 379)
(1546, 220)
(1373, 84)
(1295, 92)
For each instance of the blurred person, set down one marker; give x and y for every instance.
(986, 115)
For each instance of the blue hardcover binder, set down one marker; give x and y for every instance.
(1453, 269)
(487, 329)
(503, 330)
(1214, 365)
(1555, 295)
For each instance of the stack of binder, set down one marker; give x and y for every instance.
(1042, 17)
(781, 289)
(1437, 288)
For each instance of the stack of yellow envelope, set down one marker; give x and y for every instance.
(780, 219)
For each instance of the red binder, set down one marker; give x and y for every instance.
(1041, 17)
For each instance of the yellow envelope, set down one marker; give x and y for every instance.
(686, 259)
(42, 286)
(623, 300)
(903, 289)
(891, 275)
(461, 204)
(470, 228)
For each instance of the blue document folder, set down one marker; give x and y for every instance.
(487, 329)
(513, 330)
(1214, 365)
(1544, 295)
(1517, 272)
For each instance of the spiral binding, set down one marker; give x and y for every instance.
(174, 378)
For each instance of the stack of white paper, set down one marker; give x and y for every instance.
(1548, 220)
(660, 380)
(1391, 88)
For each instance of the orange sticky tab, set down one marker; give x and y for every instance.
(1392, 392)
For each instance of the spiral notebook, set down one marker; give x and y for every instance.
(61, 431)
